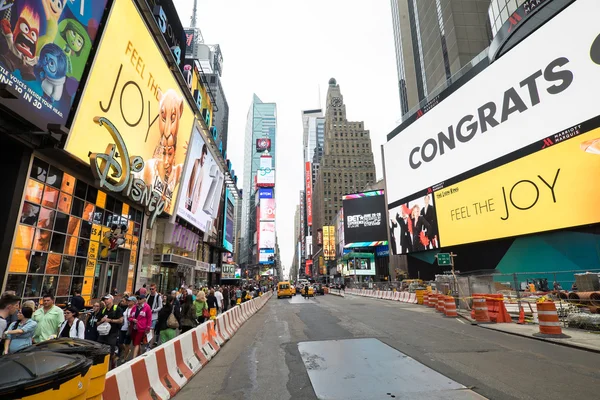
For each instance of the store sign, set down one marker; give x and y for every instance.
(228, 271)
(44, 48)
(202, 266)
(129, 93)
(308, 185)
(183, 237)
(169, 24)
(545, 84)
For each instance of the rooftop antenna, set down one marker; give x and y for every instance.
(194, 14)
(319, 89)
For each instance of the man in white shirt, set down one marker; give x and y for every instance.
(219, 296)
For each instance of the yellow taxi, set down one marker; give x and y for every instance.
(284, 289)
(293, 290)
(311, 291)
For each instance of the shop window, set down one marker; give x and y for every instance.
(136, 229)
(68, 184)
(33, 191)
(82, 248)
(81, 189)
(88, 212)
(77, 207)
(97, 216)
(86, 229)
(16, 283)
(76, 284)
(57, 245)
(64, 283)
(49, 285)
(19, 261)
(71, 245)
(24, 237)
(37, 264)
(29, 213)
(54, 178)
(50, 198)
(118, 208)
(66, 266)
(108, 219)
(33, 287)
(92, 194)
(39, 170)
(80, 264)
(61, 222)
(64, 203)
(139, 216)
(53, 264)
(46, 218)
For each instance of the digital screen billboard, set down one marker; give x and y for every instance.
(265, 193)
(267, 209)
(228, 221)
(413, 225)
(308, 185)
(124, 106)
(200, 194)
(329, 242)
(265, 177)
(541, 86)
(364, 219)
(266, 238)
(263, 144)
(359, 264)
(266, 256)
(44, 48)
(531, 163)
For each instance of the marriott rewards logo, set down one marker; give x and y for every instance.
(545, 84)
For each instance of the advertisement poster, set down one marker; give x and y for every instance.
(329, 242)
(201, 187)
(267, 209)
(340, 232)
(364, 219)
(266, 235)
(228, 221)
(308, 185)
(413, 226)
(263, 144)
(361, 264)
(553, 188)
(265, 193)
(44, 46)
(132, 101)
(265, 177)
(266, 256)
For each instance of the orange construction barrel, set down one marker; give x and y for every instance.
(549, 322)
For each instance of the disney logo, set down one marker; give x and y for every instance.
(115, 171)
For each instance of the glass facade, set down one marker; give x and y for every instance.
(261, 123)
(500, 10)
(63, 239)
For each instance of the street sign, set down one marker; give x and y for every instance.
(444, 259)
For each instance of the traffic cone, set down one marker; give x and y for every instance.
(521, 315)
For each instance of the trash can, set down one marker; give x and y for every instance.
(98, 353)
(44, 375)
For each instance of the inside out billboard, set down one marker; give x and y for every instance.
(495, 163)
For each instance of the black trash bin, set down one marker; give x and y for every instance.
(44, 375)
(98, 353)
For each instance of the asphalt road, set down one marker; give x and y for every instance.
(262, 361)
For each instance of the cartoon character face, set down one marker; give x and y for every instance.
(171, 109)
(51, 65)
(74, 41)
(53, 8)
(53, 61)
(26, 33)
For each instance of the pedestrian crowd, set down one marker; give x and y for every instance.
(130, 326)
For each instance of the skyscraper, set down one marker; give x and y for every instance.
(260, 139)
(434, 39)
(347, 162)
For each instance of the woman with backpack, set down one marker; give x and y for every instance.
(201, 307)
(167, 322)
(72, 326)
(188, 314)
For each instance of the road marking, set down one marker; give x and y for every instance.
(461, 321)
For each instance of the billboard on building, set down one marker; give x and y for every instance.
(266, 235)
(203, 102)
(169, 24)
(340, 232)
(263, 144)
(329, 242)
(308, 185)
(121, 108)
(308, 268)
(265, 193)
(44, 48)
(200, 197)
(359, 264)
(364, 219)
(519, 152)
(265, 177)
(413, 225)
(228, 221)
(266, 256)
(267, 209)
(309, 247)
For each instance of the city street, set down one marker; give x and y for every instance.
(270, 356)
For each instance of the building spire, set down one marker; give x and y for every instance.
(194, 18)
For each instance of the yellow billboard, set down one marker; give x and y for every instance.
(133, 110)
(329, 242)
(553, 188)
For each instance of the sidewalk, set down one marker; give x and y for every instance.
(580, 339)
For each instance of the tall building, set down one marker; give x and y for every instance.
(347, 162)
(260, 139)
(434, 40)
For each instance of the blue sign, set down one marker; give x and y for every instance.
(266, 256)
(382, 251)
(265, 193)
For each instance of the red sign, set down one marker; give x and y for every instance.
(308, 177)
(308, 269)
(320, 237)
(263, 144)
(267, 209)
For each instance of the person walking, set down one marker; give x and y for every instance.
(155, 301)
(19, 334)
(9, 305)
(189, 318)
(167, 323)
(141, 323)
(219, 296)
(48, 318)
(125, 332)
(201, 307)
(91, 326)
(306, 292)
(213, 304)
(77, 301)
(72, 326)
(113, 315)
(238, 295)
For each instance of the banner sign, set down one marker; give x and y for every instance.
(308, 184)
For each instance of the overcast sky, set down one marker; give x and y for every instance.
(283, 50)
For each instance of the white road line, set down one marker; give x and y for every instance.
(461, 321)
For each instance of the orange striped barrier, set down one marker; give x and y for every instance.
(450, 306)
(481, 310)
(433, 299)
(549, 322)
(426, 299)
